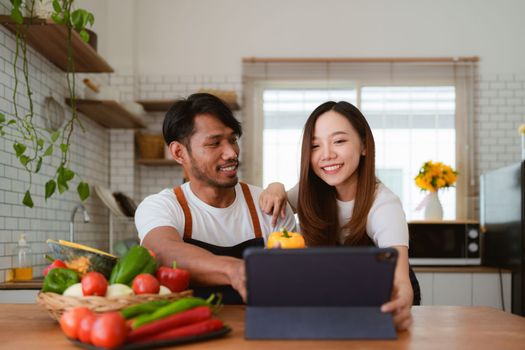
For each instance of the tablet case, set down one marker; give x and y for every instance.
(319, 293)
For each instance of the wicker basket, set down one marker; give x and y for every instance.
(151, 146)
(56, 304)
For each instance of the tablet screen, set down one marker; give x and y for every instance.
(329, 276)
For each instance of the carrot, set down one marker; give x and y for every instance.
(194, 329)
(184, 318)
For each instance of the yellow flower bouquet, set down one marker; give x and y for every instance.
(435, 175)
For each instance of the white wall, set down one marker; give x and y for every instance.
(210, 37)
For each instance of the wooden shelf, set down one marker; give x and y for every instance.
(164, 105)
(109, 114)
(157, 162)
(50, 40)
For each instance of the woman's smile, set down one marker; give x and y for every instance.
(332, 168)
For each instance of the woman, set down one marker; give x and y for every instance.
(340, 201)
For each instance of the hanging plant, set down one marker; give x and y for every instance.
(33, 144)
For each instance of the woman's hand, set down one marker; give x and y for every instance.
(272, 201)
(401, 304)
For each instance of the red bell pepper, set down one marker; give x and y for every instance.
(53, 265)
(175, 279)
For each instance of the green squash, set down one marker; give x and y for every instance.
(81, 258)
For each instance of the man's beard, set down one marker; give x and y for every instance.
(201, 176)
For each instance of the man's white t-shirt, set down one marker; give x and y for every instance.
(386, 223)
(223, 227)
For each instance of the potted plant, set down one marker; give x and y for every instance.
(33, 144)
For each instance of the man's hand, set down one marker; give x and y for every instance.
(237, 275)
(400, 305)
(272, 201)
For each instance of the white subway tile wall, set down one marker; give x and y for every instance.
(500, 109)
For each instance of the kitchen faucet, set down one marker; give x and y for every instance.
(72, 221)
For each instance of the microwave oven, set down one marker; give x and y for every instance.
(444, 243)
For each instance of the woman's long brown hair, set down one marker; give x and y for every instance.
(317, 205)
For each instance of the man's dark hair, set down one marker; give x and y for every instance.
(179, 122)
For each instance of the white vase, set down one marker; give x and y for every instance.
(433, 209)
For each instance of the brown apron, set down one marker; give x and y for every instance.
(230, 295)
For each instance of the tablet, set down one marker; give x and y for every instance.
(319, 293)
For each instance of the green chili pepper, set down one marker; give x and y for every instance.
(173, 308)
(147, 307)
(59, 279)
(136, 261)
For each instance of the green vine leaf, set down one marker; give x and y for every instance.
(62, 187)
(11, 122)
(2, 118)
(83, 190)
(40, 143)
(2, 133)
(49, 151)
(64, 175)
(51, 186)
(38, 165)
(19, 148)
(58, 19)
(28, 201)
(16, 3)
(24, 160)
(56, 6)
(77, 19)
(64, 147)
(55, 135)
(16, 15)
(84, 35)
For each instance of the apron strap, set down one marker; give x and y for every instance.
(253, 213)
(186, 209)
(187, 214)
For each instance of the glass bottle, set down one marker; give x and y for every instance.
(23, 269)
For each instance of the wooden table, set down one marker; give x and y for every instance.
(25, 326)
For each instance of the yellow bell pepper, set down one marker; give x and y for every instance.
(285, 239)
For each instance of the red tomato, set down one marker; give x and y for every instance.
(94, 283)
(109, 330)
(84, 328)
(70, 320)
(145, 284)
(54, 264)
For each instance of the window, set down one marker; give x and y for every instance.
(411, 124)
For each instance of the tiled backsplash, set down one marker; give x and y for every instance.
(500, 108)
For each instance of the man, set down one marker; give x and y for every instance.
(205, 224)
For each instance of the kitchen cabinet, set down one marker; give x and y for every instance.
(20, 292)
(478, 287)
(50, 40)
(108, 113)
(24, 296)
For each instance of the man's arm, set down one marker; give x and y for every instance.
(205, 268)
